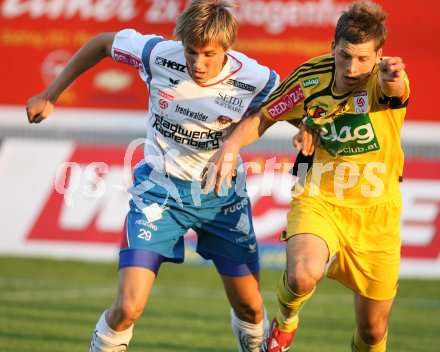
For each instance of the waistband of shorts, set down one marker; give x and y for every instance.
(353, 205)
(176, 180)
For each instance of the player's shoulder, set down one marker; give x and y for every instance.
(326, 59)
(251, 70)
(133, 34)
(323, 64)
(312, 74)
(247, 62)
(133, 41)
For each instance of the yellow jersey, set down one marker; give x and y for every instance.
(360, 161)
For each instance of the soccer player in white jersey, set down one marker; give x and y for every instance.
(198, 90)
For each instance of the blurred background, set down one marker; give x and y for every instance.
(62, 183)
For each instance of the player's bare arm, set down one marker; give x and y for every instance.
(390, 77)
(41, 106)
(221, 165)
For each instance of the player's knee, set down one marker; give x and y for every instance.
(302, 281)
(372, 334)
(128, 311)
(250, 311)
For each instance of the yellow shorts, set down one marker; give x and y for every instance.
(364, 243)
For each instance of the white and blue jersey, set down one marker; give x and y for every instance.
(187, 123)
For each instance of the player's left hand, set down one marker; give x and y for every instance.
(391, 68)
(220, 167)
(306, 140)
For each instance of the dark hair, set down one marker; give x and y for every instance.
(361, 23)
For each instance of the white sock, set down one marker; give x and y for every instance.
(105, 339)
(288, 321)
(249, 336)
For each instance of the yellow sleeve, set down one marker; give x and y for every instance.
(393, 102)
(286, 102)
(407, 90)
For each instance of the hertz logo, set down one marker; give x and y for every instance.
(170, 64)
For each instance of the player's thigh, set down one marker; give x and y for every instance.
(134, 288)
(312, 237)
(134, 285)
(372, 316)
(242, 288)
(307, 255)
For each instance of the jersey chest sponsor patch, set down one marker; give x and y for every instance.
(349, 135)
(360, 100)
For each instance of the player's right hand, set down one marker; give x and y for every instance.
(220, 168)
(38, 108)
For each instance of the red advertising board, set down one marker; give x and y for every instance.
(74, 202)
(37, 38)
(268, 184)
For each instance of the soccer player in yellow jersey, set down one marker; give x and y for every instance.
(344, 220)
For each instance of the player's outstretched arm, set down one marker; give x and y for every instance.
(221, 165)
(97, 48)
(390, 77)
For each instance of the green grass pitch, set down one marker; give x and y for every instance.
(52, 306)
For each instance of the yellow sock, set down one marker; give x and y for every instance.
(289, 304)
(358, 345)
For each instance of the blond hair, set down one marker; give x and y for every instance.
(206, 22)
(361, 23)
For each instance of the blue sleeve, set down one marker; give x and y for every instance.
(146, 52)
(271, 84)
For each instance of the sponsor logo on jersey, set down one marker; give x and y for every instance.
(310, 82)
(174, 82)
(286, 102)
(229, 102)
(196, 115)
(128, 58)
(165, 95)
(170, 64)
(360, 99)
(349, 135)
(316, 112)
(223, 120)
(163, 104)
(207, 140)
(241, 85)
(321, 111)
